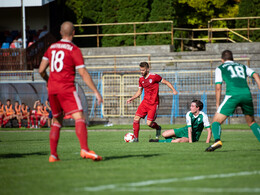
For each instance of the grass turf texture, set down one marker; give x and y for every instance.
(25, 168)
(130, 127)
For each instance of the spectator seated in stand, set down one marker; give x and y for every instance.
(5, 45)
(44, 32)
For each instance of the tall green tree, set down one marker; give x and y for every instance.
(246, 9)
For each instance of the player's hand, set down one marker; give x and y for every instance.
(175, 92)
(129, 100)
(99, 98)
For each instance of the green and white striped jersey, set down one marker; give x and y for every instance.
(235, 77)
(197, 123)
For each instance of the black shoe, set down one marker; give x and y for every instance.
(135, 140)
(158, 132)
(153, 140)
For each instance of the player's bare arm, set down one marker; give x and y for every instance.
(136, 95)
(218, 88)
(190, 134)
(257, 79)
(209, 135)
(89, 82)
(170, 86)
(42, 69)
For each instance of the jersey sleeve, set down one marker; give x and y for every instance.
(46, 55)
(140, 83)
(158, 78)
(218, 76)
(249, 71)
(78, 58)
(188, 119)
(205, 120)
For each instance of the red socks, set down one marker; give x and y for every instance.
(136, 127)
(154, 125)
(82, 134)
(54, 138)
(20, 124)
(32, 120)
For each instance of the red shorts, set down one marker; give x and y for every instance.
(68, 102)
(147, 109)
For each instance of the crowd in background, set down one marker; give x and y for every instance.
(14, 39)
(36, 117)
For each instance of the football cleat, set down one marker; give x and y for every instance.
(158, 132)
(135, 140)
(90, 155)
(153, 140)
(214, 146)
(53, 158)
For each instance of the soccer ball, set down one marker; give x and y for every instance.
(129, 137)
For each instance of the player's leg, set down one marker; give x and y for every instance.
(248, 111)
(71, 104)
(169, 133)
(180, 140)
(28, 120)
(136, 127)
(218, 119)
(1, 119)
(253, 126)
(54, 138)
(151, 116)
(19, 119)
(55, 128)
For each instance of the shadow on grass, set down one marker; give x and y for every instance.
(131, 156)
(21, 155)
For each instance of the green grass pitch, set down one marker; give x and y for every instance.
(140, 168)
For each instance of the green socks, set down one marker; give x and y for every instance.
(165, 140)
(256, 130)
(216, 130)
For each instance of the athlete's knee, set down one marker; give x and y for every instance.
(149, 123)
(137, 118)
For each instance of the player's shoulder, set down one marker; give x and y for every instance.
(203, 114)
(154, 74)
(189, 114)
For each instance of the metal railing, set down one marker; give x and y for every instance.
(134, 33)
(209, 37)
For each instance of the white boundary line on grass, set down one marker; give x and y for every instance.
(132, 186)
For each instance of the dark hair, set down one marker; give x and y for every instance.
(227, 55)
(144, 65)
(198, 104)
(8, 100)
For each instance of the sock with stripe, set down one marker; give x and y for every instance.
(216, 130)
(256, 130)
(54, 138)
(168, 140)
(82, 134)
(154, 125)
(136, 128)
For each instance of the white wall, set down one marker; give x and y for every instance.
(36, 18)
(17, 3)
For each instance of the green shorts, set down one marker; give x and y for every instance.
(230, 102)
(181, 132)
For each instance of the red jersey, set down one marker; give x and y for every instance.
(150, 84)
(64, 57)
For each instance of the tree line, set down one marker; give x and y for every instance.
(183, 13)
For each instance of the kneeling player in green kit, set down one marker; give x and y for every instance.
(237, 94)
(196, 121)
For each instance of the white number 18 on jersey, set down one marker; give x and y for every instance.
(57, 60)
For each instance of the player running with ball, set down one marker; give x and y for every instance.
(65, 58)
(150, 83)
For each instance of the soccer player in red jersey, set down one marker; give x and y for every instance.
(65, 58)
(150, 83)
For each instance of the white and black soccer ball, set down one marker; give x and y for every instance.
(129, 137)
